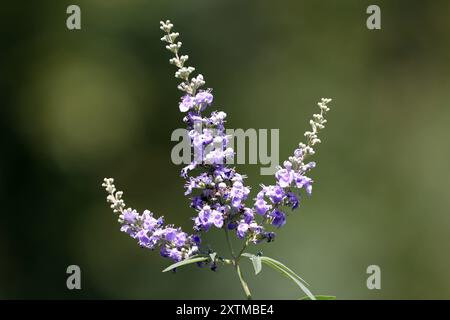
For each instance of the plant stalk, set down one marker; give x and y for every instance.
(235, 260)
(248, 294)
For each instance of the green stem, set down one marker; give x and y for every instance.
(236, 265)
(243, 283)
(242, 251)
(230, 246)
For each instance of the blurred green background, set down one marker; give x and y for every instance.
(77, 106)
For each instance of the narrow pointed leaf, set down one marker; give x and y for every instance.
(278, 266)
(282, 266)
(256, 261)
(289, 276)
(193, 259)
(319, 297)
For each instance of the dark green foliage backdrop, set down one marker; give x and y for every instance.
(78, 106)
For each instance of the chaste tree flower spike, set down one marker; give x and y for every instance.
(217, 191)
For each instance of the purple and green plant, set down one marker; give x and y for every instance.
(217, 191)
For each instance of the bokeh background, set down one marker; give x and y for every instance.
(77, 106)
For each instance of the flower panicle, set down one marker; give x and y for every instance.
(291, 179)
(150, 232)
(216, 191)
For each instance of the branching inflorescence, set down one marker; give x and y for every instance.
(216, 191)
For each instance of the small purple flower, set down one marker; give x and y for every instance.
(149, 223)
(216, 218)
(262, 207)
(197, 202)
(309, 166)
(201, 140)
(187, 102)
(270, 236)
(202, 221)
(293, 200)
(303, 182)
(278, 218)
(174, 254)
(232, 225)
(284, 177)
(170, 234)
(130, 216)
(205, 178)
(242, 229)
(238, 193)
(255, 228)
(143, 238)
(164, 252)
(203, 99)
(275, 193)
(217, 118)
(208, 217)
(248, 215)
(196, 239)
(128, 229)
(192, 118)
(223, 172)
(180, 239)
(262, 193)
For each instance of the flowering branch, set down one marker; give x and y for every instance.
(150, 232)
(216, 191)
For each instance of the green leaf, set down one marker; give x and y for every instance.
(279, 264)
(256, 261)
(190, 260)
(319, 297)
(291, 276)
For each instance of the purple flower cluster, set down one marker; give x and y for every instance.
(216, 191)
(201, 100)
(290, 180)
(151, 233)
